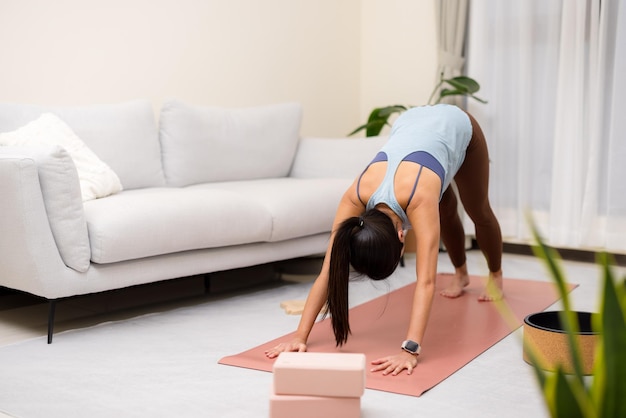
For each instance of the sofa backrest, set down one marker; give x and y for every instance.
(210, 144)
(122, 135)
(335, 157)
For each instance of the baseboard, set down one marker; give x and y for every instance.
(565, 253)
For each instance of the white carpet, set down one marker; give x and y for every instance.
(165, 363)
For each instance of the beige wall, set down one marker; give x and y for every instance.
(336, 57)
(398, 53)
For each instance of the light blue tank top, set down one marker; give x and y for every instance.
(433, 136)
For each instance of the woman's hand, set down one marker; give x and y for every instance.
(294, 345)
(395, 364)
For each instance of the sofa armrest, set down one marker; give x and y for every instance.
(46, 174)
(27, 248)
(334, 157)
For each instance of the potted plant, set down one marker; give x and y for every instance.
(456, 86)
(571, 395)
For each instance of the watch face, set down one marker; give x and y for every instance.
(411, 346)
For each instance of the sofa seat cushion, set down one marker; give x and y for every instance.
(298, 207)
(149, 222)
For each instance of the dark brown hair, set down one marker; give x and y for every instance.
(370, 244)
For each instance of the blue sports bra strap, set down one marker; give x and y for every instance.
(381, 156)
(419, 173)
(358, 184)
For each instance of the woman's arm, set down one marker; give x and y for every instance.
(423, 213)
(349, 206)
(425, 222)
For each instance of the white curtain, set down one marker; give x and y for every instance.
(451, 18)
(555, 118)
(451, 25)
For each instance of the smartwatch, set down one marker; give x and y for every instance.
(411, 347)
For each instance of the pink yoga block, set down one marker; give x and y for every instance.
(300, 406)
(320, 374)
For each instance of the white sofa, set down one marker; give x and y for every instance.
(204, 190)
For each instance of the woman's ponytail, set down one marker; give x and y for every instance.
(370, 244)
(338, 276)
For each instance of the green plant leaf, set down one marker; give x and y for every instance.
(561, 397)
(456, 92)
(375, 127)
(377, 120)
(465, 84)
(448, 92)
(609, 384)
(390, 110)
(371, 128)
(478, 99)
(569, 396)
(359, 129)
(568, 318)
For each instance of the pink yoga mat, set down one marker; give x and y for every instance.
(458, 331)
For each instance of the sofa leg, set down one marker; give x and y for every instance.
(207, 284)
(52, 304)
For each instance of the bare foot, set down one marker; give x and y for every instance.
(456, 286)
(493, 289)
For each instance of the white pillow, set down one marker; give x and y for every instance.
(95, 176)
(123, 135)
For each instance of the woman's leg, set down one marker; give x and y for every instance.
(453, 237)
(472, 181)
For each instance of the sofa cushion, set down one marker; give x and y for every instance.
(208, 144)
(61, 194)
(298, 207)
(154, 221)
(335, 157)
(96, 177)
(119, 134)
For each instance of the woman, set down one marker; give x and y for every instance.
(407, 185)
